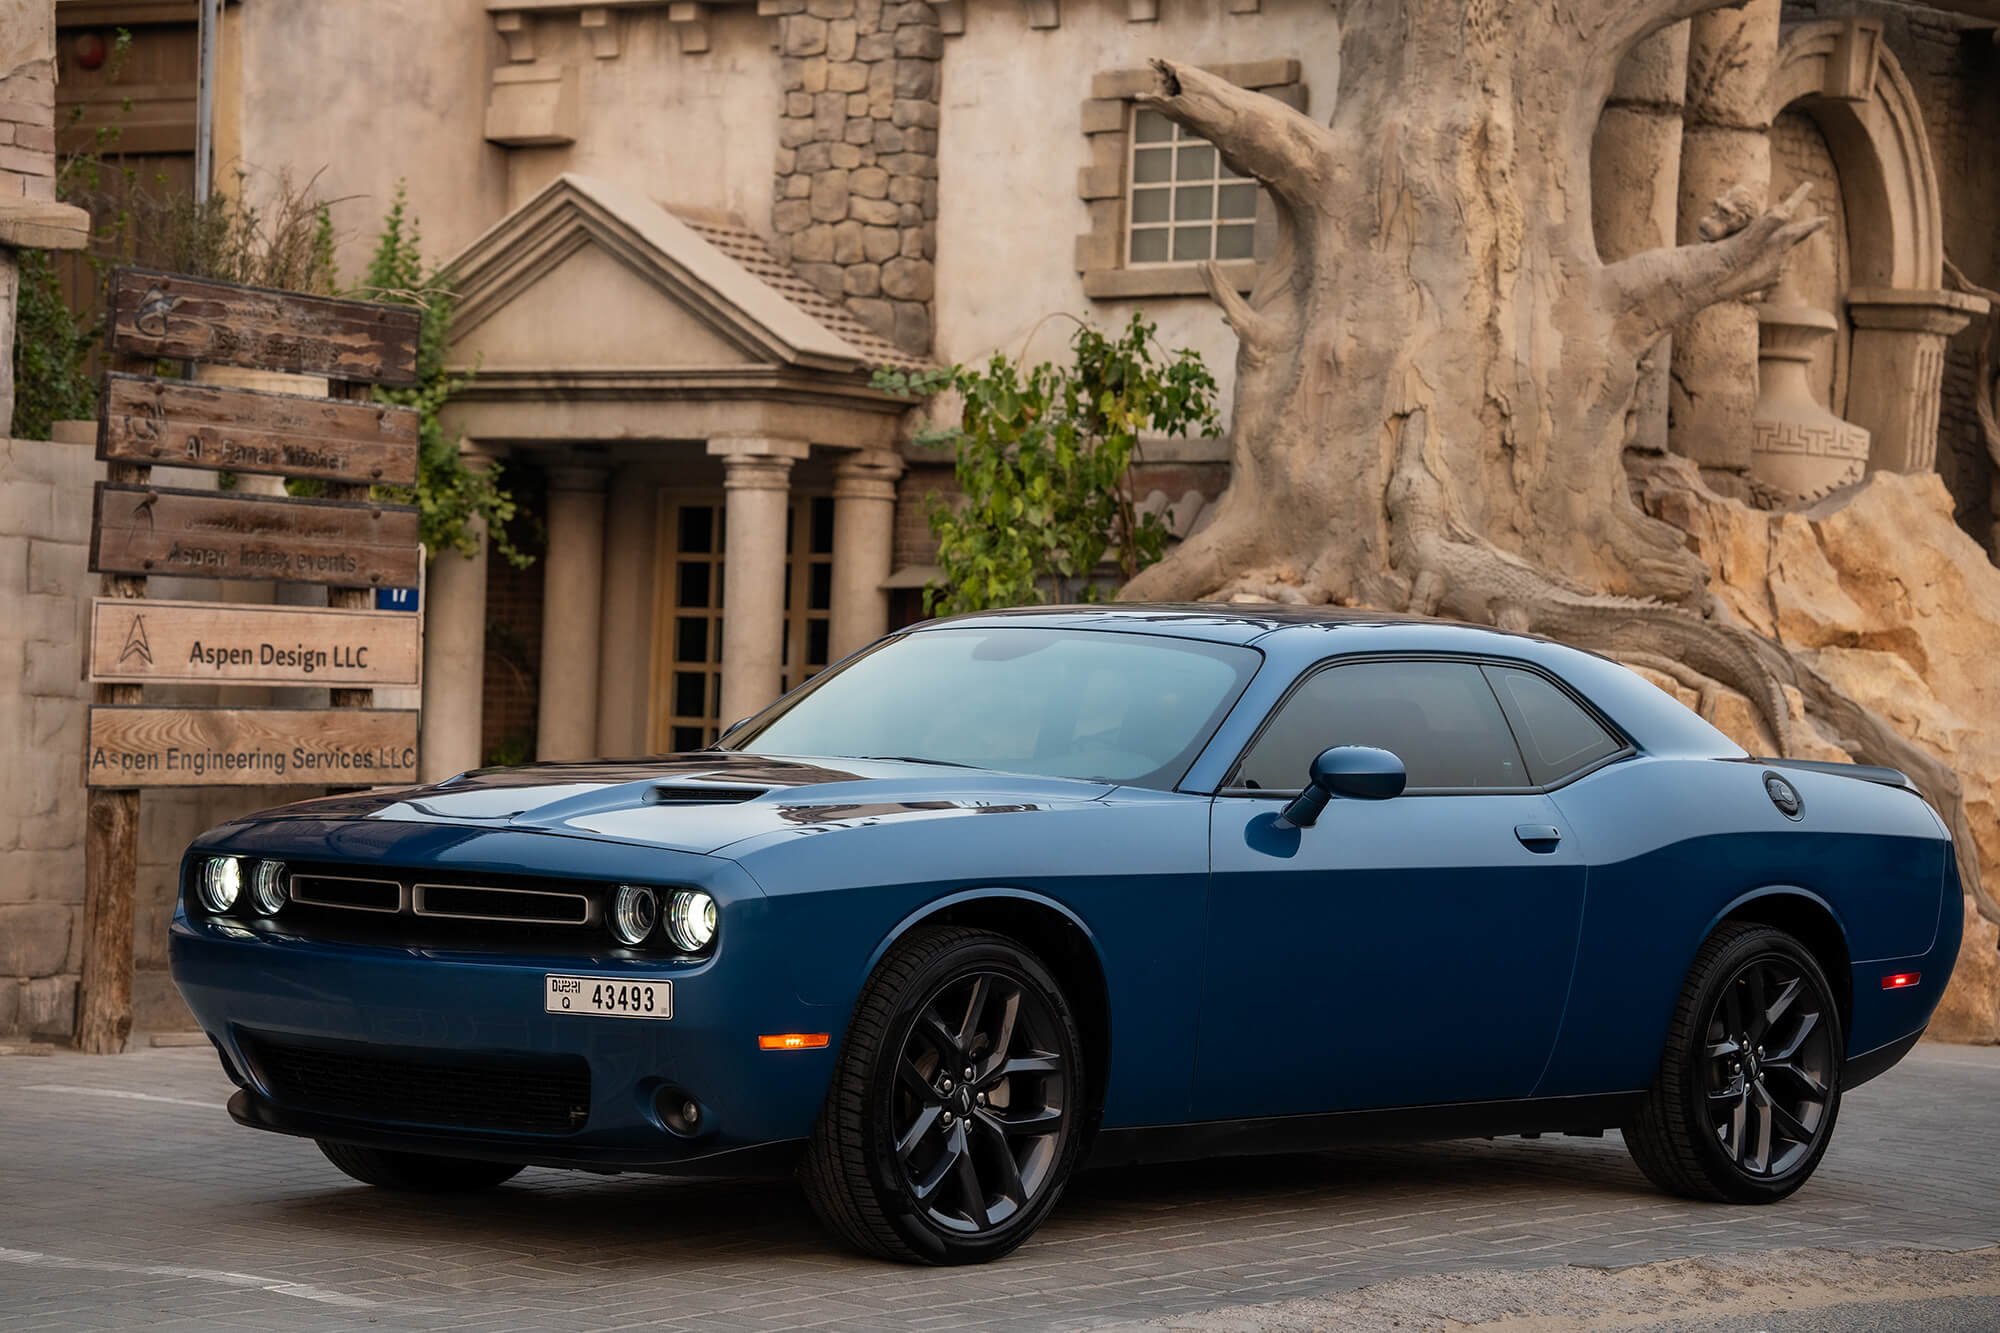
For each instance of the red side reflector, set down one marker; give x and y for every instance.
(792, 1041)
(1902, 980)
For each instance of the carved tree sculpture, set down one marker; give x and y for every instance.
(1435, 368)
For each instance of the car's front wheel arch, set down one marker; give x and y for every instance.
(1060, 939)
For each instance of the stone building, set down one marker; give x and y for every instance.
(686, 232)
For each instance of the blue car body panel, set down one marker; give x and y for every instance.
(1402, 953)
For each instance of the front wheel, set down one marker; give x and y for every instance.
(957, 1111)
(1749, 1085)
(417, 1173)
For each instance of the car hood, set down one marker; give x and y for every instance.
(700, 802)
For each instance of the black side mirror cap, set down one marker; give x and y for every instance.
(1356, 772)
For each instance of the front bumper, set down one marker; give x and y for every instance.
(253, 987)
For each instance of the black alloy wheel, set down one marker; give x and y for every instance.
(1749, 1086)
(957, 1111)
(979, 1105)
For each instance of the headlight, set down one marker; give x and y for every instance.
(221, 882)
(267, 887)
(691, 920)
(635, 910)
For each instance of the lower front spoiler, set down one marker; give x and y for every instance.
(756, 1161)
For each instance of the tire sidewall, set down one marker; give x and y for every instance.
(884, 1167)
(1721, 1167)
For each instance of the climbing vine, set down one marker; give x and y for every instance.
(1043, 457)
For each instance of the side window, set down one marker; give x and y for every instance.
(1438, 717)
(1557, 737)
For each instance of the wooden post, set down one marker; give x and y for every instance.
(110, 864)
(350, 598)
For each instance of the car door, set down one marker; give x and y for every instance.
(1410, 951)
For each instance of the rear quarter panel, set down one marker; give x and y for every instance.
(1676, 844)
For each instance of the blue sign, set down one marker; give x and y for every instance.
(395, 599)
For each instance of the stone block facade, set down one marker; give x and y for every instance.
(855, 201)
(27, 101)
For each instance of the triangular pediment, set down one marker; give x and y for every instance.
(591, 276)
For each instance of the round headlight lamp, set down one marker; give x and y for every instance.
(221, 883)
(635, 910)
(267, 887)
(691, 920)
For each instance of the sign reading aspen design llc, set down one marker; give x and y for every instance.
(201, 643)
(234, 747)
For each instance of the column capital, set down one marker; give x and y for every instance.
(1912, 310)
(478, 455)
(866, 474)
(757, 464)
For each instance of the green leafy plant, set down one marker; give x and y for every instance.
(449, 495)
(1043, 459)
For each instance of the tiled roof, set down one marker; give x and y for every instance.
(747, 249)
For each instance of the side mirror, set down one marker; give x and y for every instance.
(1356, 772)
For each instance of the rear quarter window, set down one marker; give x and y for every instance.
(1558, 738)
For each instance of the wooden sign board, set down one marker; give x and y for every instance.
(210, 643)
(148, 420)
(250, 747)
(180, 318)
(212, 534)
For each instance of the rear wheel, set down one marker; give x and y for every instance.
(417, 1173)
(1749, 1086)
(956, 1114)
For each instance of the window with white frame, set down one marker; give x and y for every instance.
(1185, 205)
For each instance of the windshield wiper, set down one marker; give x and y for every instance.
(915, 759)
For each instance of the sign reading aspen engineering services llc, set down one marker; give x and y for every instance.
(241, 747)
(207, 643)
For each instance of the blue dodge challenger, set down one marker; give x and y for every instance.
(1008, 892)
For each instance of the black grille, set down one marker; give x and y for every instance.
(516, 1094)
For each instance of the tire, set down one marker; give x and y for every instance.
(1738, 1121)
(905, 1144)
(417, 1173)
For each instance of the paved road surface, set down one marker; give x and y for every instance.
(130, 1200)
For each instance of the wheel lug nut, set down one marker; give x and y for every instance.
(982, 1099)
(968, 1073)
(945, 1086)
(945, 1118)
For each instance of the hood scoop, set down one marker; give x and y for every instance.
(667, 793)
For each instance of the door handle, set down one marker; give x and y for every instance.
(1538, 837)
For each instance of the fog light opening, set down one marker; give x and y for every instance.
(679, 1112)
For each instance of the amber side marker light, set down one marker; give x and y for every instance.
(792, 1041)
(1902, 980)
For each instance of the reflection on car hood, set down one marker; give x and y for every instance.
(700, 802)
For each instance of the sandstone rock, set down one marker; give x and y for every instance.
(841, 40)
(829, 196)
(802, 35)
(878, 243)
(872, 183)
(864, 280)
(847, 243)
(1970, 1010)
(907, 279)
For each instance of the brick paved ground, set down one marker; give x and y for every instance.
(127, 1198)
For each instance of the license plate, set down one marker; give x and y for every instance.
(613, 997)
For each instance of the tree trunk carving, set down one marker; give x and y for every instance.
(1435, 369)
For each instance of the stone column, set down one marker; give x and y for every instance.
(864, 538)
(572, 602)
(452, 724)
(1898, 370)
(624, 676)
(1725, 145)
(757, 476)
(1635, 163)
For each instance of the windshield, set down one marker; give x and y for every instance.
(1115, 707)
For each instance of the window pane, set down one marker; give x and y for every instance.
(1151, 127)
(687, 738)
(694, 583)
(1153, 165)
(1150, 205)
(1190, 243)
(1438, 717)
(691, 639)
(688, 688)
(819, 596)
(1237, 201)
(1557, 737)
(1149, 246)
(816, 641)
(697, 528)
(1194, 203)
(1197, 162)
(822, 525)
(1235, 242)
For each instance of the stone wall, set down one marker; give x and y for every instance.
(27, 101)
(855, 200)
